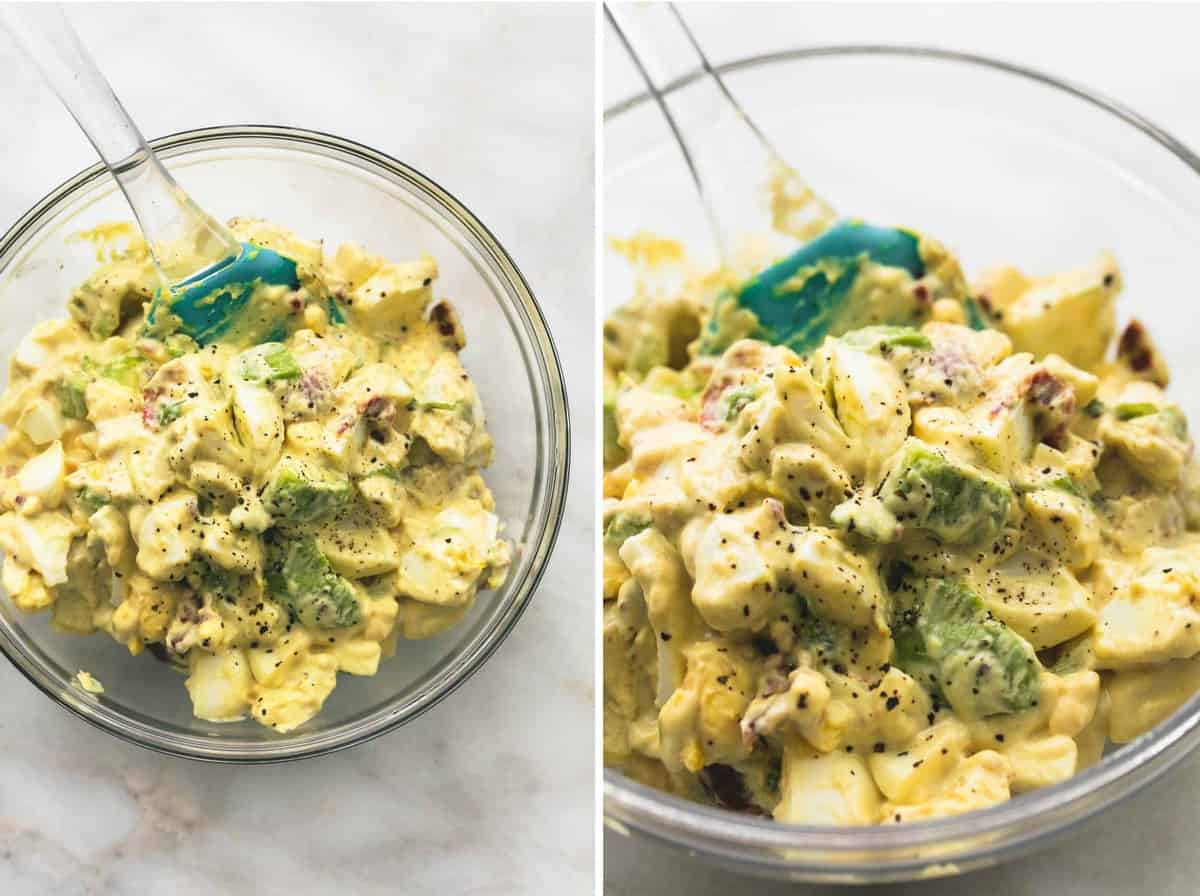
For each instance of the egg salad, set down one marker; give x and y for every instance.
(938, 547)
(263, 511)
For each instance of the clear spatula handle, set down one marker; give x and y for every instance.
(181, 235)
(728, 156)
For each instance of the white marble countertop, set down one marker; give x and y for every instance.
(1142, 55)
(491, 791)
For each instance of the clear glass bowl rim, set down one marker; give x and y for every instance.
(554, 427)
(927, 848)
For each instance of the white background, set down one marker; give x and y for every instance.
(1143, 55)
(491, 792)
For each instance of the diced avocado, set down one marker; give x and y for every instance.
(126, 369)
(104, 324)
(1065, 483)
(728, 323)
(387, 472)
(71, 392)
(946, 639)
(71, 388)
(954, 501)
(614, 454)
(112, 295)
(889, 335)
(1174, 421)
(813, 632)
(420, 454)
(668, 381)
(299, 577)
(220, 583)
(649, 351)
(301, 491)
(624, 525)
(270, 361)
(866, 516)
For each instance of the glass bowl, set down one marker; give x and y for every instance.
(1005, 165)
(333, 189)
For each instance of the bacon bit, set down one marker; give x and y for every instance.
(1137, 351)
(727, 787)
(776, 510)
(712, 414)
(921, 291)
(1044, 388)
(150, 407)
(1001, 406)
(379, 409)
(443, 316)
(1132, 338)
(1056, 437)
(313, 385)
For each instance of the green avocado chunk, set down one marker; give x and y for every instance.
(887, 334)
(954, 501)
(269, 361)
(624, 525)
(70, 389)
(71, 392)
(303, 492)
(614, 454)
(127, 369)
(946, 639)
(299, 577)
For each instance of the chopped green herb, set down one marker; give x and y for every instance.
(736, 399)
(168, 413)
(889, 335)
(1133, 410)
(90, 500)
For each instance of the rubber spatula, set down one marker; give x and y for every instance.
(798, 299)
(208, 276)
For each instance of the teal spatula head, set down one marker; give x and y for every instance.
(210, 303)
(798, 301)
